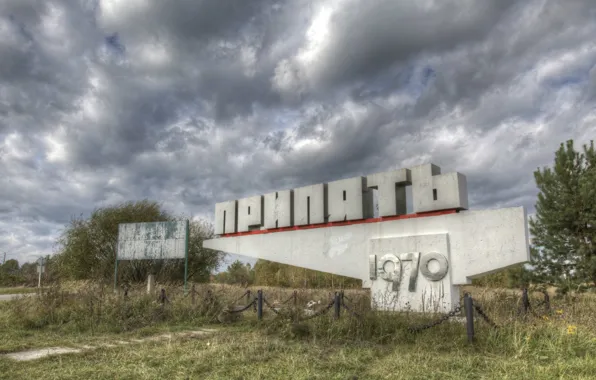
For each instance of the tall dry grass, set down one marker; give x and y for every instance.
(96, 307)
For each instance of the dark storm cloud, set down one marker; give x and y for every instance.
(37, 81)
(191, 103)
(387, 32)
(183, 19)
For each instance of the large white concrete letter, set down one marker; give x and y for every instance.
(391, 188)
(225, 217)
(309, 205)
(345, 199)
(250, 213)
(432, 190)
(279, 209)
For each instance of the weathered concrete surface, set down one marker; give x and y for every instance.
(151, 284)
(8, 297)
(53, 351)
(392, 190)
(480, 242)
(475, 243)
(411, 262)
(279, 209)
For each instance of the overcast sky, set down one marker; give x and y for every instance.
(197, 102)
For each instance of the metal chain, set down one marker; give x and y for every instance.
(482, 313)
(271, 307)
(319, 313)
(352, 312)
(244, 308)
(289, 299)
(242, 296)
(451, 314)
(531, 308)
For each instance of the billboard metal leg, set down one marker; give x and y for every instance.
(116, 276)
(186, 256)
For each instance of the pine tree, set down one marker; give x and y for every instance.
(563, 252)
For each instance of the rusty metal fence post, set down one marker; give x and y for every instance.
(546, 302)
(525, 301)
(260, 305)
(337, 304)
(469, 306)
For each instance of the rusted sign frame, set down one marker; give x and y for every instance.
(186, 237)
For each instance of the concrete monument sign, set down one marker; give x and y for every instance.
(409, 261)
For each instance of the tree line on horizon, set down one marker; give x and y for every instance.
(563, 246)
(269, 273)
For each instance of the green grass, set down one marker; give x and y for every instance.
(17, 290)
(239, 354)
(377, 346)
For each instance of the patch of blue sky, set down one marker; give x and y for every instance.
(410, 80)
(278, 119)
(21, 28)
(578, 75)
(230, 258)
(114, 44)
(574, 79)
(421, 79)
(39, 159)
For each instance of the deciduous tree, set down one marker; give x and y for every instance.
(87, 247)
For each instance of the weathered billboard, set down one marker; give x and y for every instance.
(152, 241)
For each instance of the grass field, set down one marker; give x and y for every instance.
(559, 345)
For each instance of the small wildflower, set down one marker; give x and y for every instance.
(545, 317)
(559, 311)
(571, 330)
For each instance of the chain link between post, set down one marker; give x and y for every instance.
(271, 307)
(244, 308)
(242, 296)
(482, 313)
(349, 309)
(437, 322)
(293, 296)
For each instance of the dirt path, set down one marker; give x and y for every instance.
(50, 351)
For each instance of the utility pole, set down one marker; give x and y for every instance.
(4, 261)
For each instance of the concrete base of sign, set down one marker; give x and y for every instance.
(151, 284)
(413, 262)
(415, 291)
